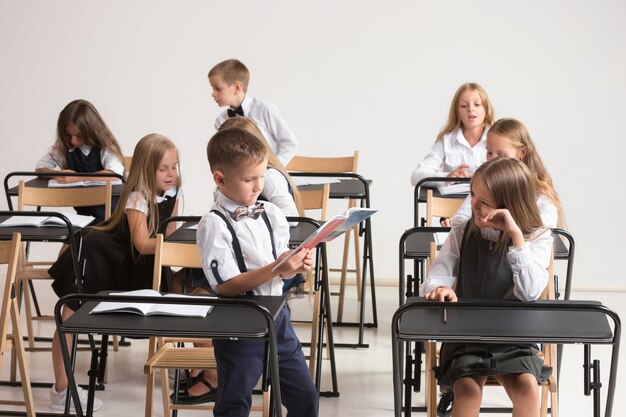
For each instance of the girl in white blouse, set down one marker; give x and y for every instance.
(460, 145)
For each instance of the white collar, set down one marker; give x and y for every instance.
(245, 104)
(227, 203)
(85, 149)
(168, 193)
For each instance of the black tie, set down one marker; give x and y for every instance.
(235, 112)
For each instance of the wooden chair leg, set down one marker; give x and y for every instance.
(314, 335)
(28, 315)
(20, 353)
(430, 381)
(343, 277)
(357, 261)
(266, 402)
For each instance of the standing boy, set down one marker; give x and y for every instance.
(229, 80)
(240, 241)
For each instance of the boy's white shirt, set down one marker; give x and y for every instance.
(529, 263)
(215, 243)
(271, 124)
(53, 158)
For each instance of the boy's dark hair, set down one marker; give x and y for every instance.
(231, 147)
(232, 70)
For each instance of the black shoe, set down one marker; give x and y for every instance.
(209, 396)
(444, 408)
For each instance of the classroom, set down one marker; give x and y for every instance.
(376, 77)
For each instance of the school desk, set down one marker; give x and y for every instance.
(421, 189)
(249, 317)
(496, 321)
(40, 180)
(354, 186)
(297, 234)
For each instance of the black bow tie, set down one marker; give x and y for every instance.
(235, 112)
(242, 212)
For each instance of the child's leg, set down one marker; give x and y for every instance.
(60, 377)
(297, 390)
(468, 394)
(524, 393)
(239, 367)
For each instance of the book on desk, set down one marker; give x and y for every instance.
(77, 220)
(88, 183)
(153, 309)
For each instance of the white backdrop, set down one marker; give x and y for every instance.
(373, 76)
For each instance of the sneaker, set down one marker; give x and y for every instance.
(444, 408)
(57, 400)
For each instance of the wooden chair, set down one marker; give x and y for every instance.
(440, 207)
(165, 354)
(549, 389)
(347, 164)
(51, 197)
(128, 160)
(9, 254)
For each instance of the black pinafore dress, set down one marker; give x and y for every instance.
(111, 261)
(484, 273)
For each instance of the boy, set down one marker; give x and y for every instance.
(239, 242)
(229, 80)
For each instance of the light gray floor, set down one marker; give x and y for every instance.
(365, 378)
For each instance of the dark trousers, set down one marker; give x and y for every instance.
(240, 365)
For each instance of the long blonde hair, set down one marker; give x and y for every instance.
(248, 125)
(454, 119)
(93, 129)
(519, 137)
(147, 157)
(510, 183)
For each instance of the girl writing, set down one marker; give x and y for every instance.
(460, 145)
(119, 254)
(502, 252)
(84, 144)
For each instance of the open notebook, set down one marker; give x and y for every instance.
(151, 309)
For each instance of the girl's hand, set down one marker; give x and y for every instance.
(441, 294)
(501, 219)
(66, 180)
(460, 172)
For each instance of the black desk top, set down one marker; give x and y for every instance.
(36, 234)
(116, 189)
(225, 320)
(345, 188)
(500, 322)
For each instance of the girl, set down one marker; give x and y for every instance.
(460, 145)
(119, 253)
(84, 144)
(502, 251)
(509, 137)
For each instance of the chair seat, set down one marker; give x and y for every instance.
(171, 357)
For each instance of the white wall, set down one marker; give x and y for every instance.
(376, 76)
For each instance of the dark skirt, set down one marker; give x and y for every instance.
(109, 264)
(460, 360)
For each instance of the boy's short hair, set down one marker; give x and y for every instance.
(232, 70)
(230, 148)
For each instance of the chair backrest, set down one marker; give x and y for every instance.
(440, 207)
(316, 199)
(9, 254)
(65, 197)
(173, 254)
(128, 160)
(324, 165)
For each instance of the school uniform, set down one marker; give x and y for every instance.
(448, 153)
(240, 362)
(271, 124)
(278, 192)
(111, 260)
(547, 210)
(483, 273)
(85, 159)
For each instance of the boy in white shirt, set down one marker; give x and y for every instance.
(229, 81)
(240, 242)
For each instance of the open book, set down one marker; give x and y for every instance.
(55, 184)
(152, 309)
(458, 188)
(334, 227)
(77, 220)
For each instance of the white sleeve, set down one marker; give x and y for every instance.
(529, 264)
(547, 210)
(286, 142)
(464, 212)
(111, 162)
(215, 245)
(431, 165)
(280, 228)
(221, 118)
(51, 160)
(444, 270)
(276, 191)
(136, 201)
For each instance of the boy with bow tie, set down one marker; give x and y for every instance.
(240, 242)
(229, 81)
